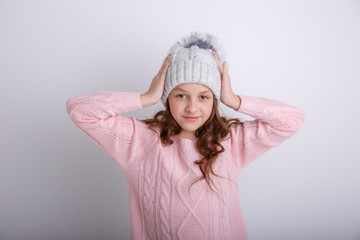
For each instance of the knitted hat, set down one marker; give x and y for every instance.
(192, 62)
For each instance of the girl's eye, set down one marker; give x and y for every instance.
(180, 96)
(204, 98)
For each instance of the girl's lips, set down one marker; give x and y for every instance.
(191, 119)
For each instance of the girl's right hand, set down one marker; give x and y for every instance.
(156, 89)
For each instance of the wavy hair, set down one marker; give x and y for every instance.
(209, 135)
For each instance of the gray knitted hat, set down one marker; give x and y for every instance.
(192, 62)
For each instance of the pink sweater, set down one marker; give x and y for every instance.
(158, 177)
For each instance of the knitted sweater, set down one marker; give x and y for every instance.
(158, 176)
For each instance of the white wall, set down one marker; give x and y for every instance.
(55, 183)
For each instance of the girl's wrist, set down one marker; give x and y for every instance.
(145, 100)
(236, 102)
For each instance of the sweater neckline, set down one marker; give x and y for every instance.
(185, 140)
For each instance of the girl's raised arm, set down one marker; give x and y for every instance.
(98, 115)
(274, 123)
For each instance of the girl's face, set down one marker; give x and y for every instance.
(190, 105)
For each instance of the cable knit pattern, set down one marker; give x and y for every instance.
(215, 208)
(220, 207)
(165, 199)
(226, 199)
(191, 227)
(159, 176)
(149, 199)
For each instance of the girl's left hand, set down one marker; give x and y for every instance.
(227, 96)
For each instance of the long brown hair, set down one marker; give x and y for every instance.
(209, 135)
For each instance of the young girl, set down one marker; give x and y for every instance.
(182, 165)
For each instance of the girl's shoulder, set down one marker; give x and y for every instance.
(133, 128)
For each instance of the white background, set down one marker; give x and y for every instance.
(55, 183)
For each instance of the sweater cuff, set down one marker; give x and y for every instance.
(126, 101)
(250, 105)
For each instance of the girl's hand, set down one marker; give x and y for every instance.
(156, 89)
(227, 96)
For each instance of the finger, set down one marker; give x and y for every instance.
(165, 69)
(225, 68)
(161, 69)
(218, 62)
(165, 64)
(167, 58)
(216, 59)
(167, 61)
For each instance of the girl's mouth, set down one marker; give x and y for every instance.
(191, 119)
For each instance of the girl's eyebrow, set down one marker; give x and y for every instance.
(180, 89)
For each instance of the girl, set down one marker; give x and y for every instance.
(182, 165)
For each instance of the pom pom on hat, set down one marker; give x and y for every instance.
(202, 40)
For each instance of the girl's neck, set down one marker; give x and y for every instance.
(184, 139)
(186, 135)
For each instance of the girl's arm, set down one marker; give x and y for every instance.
(274, 123)
(98, 115)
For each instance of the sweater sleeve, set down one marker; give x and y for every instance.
(274, 123)
(98, 115)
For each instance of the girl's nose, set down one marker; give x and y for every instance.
(191, 106)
